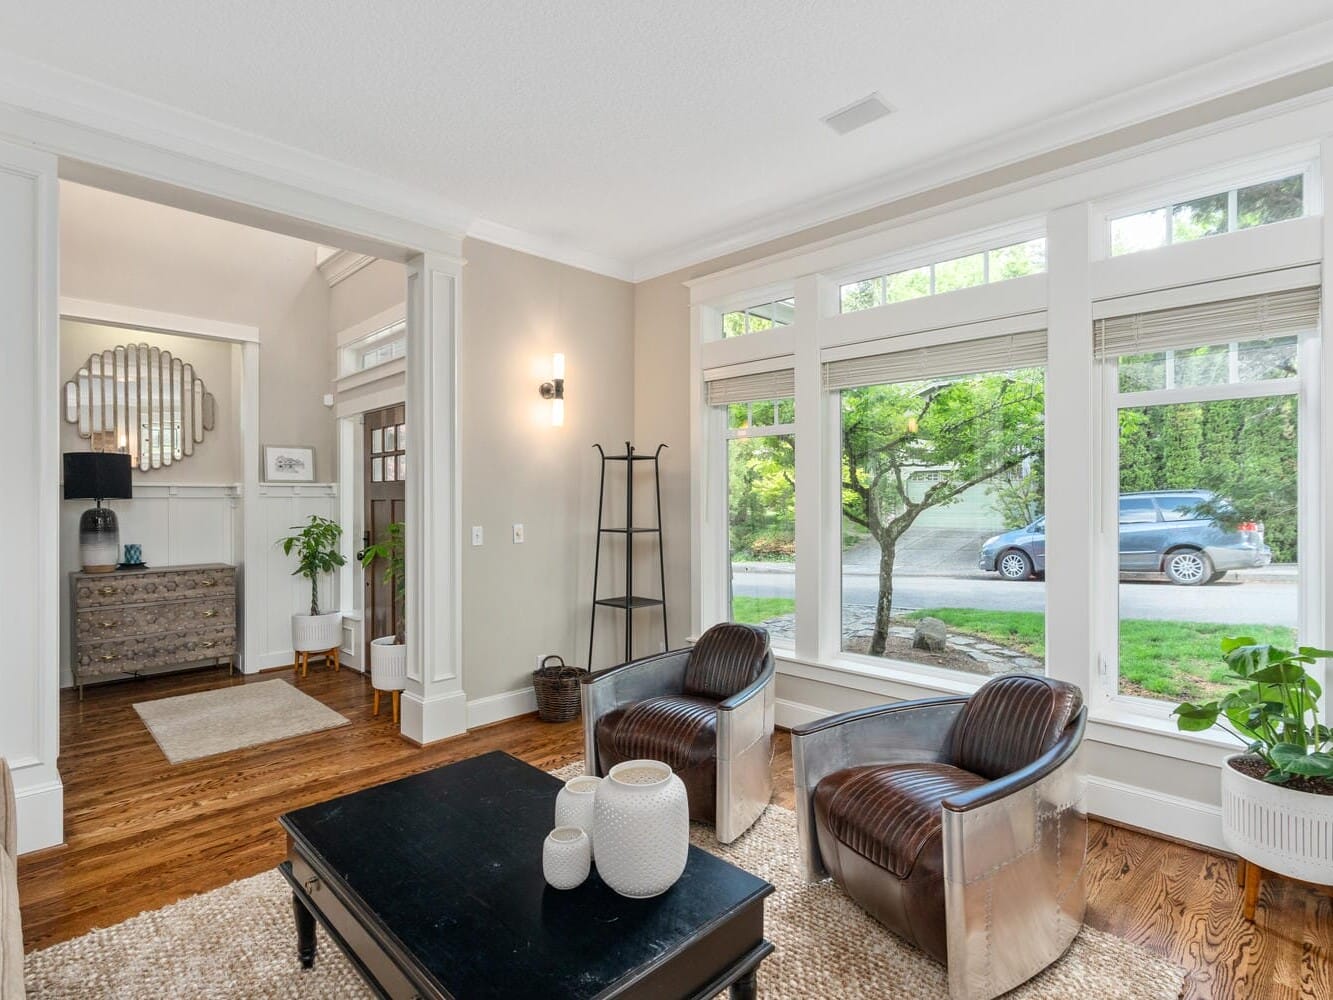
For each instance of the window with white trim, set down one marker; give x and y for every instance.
(373, 350)
(1228, 211)
(755, 318)
(1203, 446)
(980, 268)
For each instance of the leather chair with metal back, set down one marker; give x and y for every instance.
(958, 823)
(706, 711)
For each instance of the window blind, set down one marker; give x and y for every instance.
(990, 354)
(1254, 317)
(779, 384)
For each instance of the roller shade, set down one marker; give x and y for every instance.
(1254, 317)
(779, 384)
(990, 354)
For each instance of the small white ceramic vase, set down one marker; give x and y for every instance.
(316, 633)
(566, 857)
(388, 664)
(574, 803)
(641, 828)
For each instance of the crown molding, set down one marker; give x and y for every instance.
(342, 264)
(1255, 66)
(552, 249)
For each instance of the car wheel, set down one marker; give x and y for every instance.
(1014, 564)
(1219, 575)
(1188, 567)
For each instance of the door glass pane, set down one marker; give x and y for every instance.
(761, 529)
(402, 437)
(376, 441)
(942, 499)
(389, 435)
(1221, 561)
(377, 470)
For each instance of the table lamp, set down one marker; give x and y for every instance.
(96, 475)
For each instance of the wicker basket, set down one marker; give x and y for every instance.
(557, 687)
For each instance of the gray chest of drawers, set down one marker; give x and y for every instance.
(143, 621)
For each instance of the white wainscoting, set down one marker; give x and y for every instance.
(175, 525)
(268, 641)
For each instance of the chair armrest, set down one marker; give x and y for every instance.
(756, 686)
(615, 687)
(901, 733)
(1014, 871)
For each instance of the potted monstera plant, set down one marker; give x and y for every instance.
(316, 546)
(388, 653)
(1277, 796)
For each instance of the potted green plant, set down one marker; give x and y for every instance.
(388, 653)
(1277, 796)
(316, 546)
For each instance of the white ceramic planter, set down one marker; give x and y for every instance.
(388, 664)
(566, 857)
(1278, 829)
(316, 633)
(574, 802)
(641, 828)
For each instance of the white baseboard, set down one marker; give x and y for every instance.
(1184, 819)
(427, 720)
(795, 713)
(41, 816)
(266, 661)
(498, 707)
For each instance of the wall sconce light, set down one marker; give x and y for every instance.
(554, 390)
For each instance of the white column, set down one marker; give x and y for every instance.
(434, 704)
(815, 562)
(1072, 462)
(29, 501)
(1316, 546)
(253, 546)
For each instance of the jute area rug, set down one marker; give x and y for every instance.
(190, 726)
(240, 941)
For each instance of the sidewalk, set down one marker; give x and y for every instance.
(1275, 573)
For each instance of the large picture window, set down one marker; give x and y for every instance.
(1208, 466)
(942, 486)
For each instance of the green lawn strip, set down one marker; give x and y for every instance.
(753, 610)
(1163, 659)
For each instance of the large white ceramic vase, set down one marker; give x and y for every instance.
(1277, 828)
(641, 828)
(388, 664)
(316, 633)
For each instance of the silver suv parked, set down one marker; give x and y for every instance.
(1161, 531)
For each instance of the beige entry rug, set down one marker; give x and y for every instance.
(191, 726)
(240, 941)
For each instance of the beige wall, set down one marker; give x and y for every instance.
(137, 253)
(371, 290)
(216, 460)
(520, 601)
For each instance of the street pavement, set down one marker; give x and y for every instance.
(1228, 602)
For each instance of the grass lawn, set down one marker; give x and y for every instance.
(1158, 659)
(753, 610)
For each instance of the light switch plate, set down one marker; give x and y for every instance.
(476, 534)
(518, 534)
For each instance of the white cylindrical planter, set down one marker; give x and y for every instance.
(388, 664)
(316, 633)
(641, 828)
(574, 803)
(1277, 828)
(566, 857)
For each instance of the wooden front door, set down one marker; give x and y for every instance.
(385, 499)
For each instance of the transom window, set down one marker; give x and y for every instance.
(1209, 215)
(373, 350)
(752, 319)
(981, 268)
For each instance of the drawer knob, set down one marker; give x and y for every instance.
(107, 624)
(106, 591)
(210, 613)
(209, 644)
(107, 657)
(208, 583)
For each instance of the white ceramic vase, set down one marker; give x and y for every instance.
(574, 802)
(641, 828)
(566, 857)
(388, 664)
(316, 633)
(1277, 828)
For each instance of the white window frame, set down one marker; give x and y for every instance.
(351, 356)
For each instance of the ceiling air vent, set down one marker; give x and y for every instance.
(862, 112)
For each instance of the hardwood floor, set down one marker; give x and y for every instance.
(142, 833)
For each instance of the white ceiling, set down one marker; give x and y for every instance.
(643, 133)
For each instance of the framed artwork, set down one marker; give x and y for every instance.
(287, 463)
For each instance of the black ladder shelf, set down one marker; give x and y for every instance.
(629, 601)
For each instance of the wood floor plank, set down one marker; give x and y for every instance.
(142, 833)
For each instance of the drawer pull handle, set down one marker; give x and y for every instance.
(107, 657)
(210, 613)
(106, 591)
(208, 583)
(208, 644)
(107, 624)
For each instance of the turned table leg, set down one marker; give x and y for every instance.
(305, 933)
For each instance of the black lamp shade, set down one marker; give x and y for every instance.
(96, 475)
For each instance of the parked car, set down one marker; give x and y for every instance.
(1161, 531)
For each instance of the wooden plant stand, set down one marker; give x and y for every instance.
(1252, 877)
(376, 708)
(302, 664)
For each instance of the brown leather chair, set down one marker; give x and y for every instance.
(705, 711)
(958, 823)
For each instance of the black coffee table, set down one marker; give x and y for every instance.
(433, 887)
